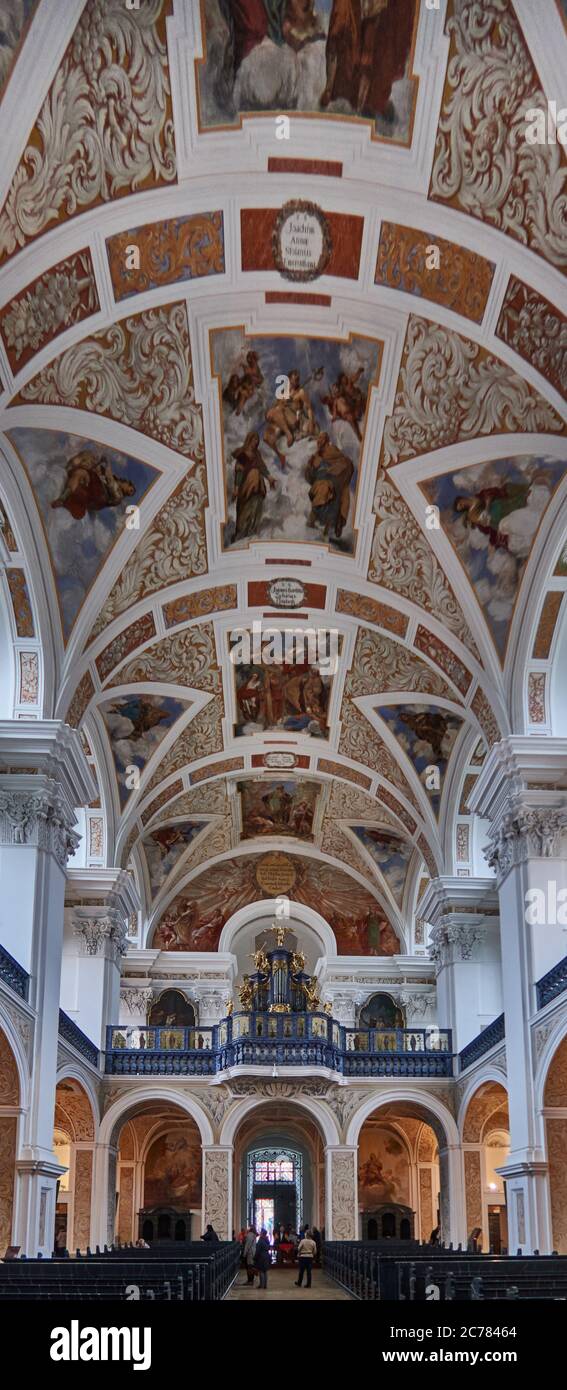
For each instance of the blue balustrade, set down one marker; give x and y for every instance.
(491, 1035)
(552, 984)
(278, 1039)
(72, 1034)
(13, 974)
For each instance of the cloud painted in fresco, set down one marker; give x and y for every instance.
(78, 543)
(136, 725)
(427, 734)
(390, 854)
(164, 847)
(491, 514)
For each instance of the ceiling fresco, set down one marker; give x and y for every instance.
(319, 57)
(283, 349)
(293, 454)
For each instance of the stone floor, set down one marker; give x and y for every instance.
(281, 1285)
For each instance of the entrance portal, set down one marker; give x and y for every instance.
(275, 1189)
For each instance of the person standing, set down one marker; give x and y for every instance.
(306, 1252)
(249, 1253)
(263, 1258)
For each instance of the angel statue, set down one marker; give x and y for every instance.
(297, 963)
(246, 994)
(261, 962)
(311, 995)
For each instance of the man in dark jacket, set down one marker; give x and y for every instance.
(263, 1258)
(211, 1235)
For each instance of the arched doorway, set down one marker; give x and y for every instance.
(279, 1168)
(159, 1175)
(9, 1103)
(486, 1147)
(555, 1110)
(398, 1176)
(428, 1140)
(73, 1147)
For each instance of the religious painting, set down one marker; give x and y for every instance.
(427, 734)
(172, 1010)
(383, 1168)
(391, 855)
(278, 808)
(381, 1012)
(82, 490)
(173, 1175)
(196, 917)
(136, 725)
(349, 58)
(293, 417)
(491, 513)
(291, 697)
(164, 848)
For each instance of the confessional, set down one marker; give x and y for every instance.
(389, 1221)
(163, 1223)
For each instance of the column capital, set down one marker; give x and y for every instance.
(522, 790)
(44, 775)
(138, 1000)
(461, 912)
(101, 934)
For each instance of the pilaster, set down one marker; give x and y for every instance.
(100, 904)
(45, 775)
(464, 946)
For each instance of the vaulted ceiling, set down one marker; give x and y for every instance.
(158, 494)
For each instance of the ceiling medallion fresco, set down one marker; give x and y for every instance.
(325, 58)
(85, 147)
(491, 513)
(278, 808)
(82, 491)
(293, 416)
(195, 919)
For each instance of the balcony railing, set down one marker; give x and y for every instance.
(73, 1035)
(293, 1040)
(13, 974)
(552, 984)
(490, 1035)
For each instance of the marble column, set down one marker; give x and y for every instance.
(100, 904)
(48, 777)
(341, 1189)
(518, 793)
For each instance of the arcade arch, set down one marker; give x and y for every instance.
(486, 1146)
(73, 1146)
(555, 1115)
(422, 1161)
(9, 1112)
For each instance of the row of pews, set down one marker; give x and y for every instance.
(172, 1273)
(406, 1271)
